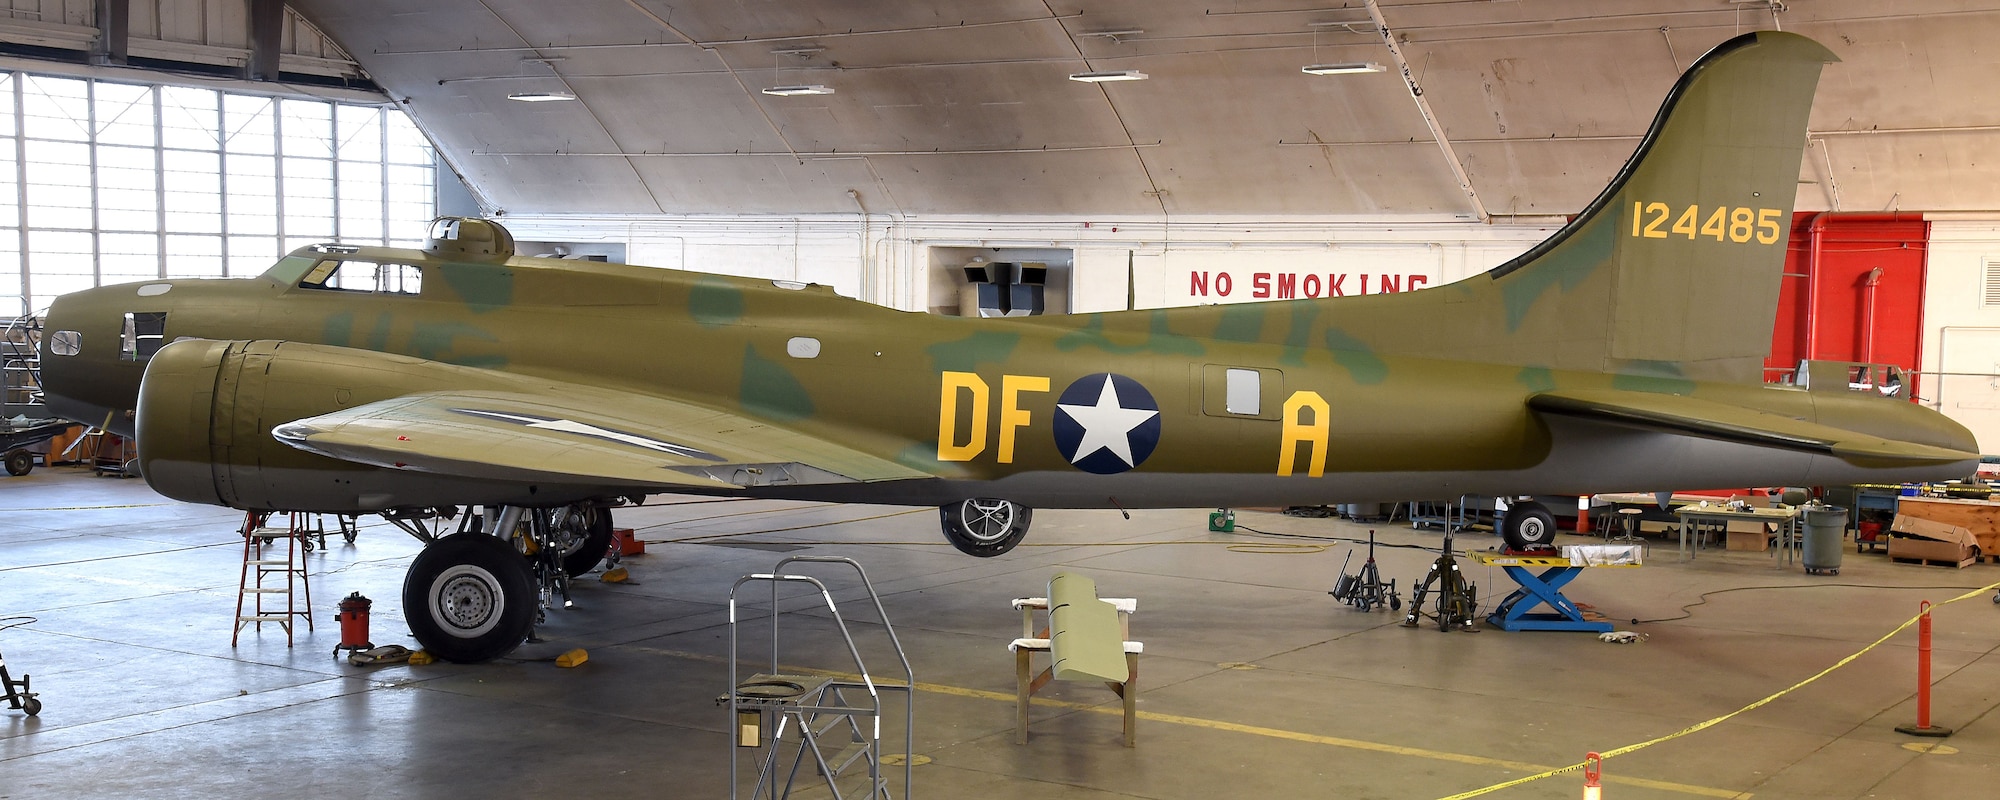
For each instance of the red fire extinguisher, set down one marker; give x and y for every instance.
(353, 619)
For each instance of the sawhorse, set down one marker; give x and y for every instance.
(1516, 612)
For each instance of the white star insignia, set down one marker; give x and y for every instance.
(1106, 425)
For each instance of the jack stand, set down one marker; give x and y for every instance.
(1365, 590)
(1457, 598)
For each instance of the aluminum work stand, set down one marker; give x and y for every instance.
(799, 712)
(1516, 612)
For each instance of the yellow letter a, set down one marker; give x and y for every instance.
(1296, 431)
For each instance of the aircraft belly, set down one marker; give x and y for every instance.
(1585, 459)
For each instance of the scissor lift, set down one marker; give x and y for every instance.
(787, 712)
(1515, 613)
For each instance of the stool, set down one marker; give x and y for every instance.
(1629, 517)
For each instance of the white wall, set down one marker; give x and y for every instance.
(1961, 334)
(886, 260)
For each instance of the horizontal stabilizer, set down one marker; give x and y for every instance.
(1708, 419)
(1085, 639)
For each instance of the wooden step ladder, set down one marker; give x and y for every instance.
(267, 577)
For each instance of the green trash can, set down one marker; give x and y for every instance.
(1825, 527)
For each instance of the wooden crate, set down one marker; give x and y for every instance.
(1982, 517)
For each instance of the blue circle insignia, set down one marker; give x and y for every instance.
(1106, 423)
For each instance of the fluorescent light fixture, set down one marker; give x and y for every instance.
(794, 91)
(541, 97)
(1348, 68)
(1113, 75)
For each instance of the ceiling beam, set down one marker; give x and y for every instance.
(1424, 108)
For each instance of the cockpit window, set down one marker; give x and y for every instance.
(364, 276)
(145, 334)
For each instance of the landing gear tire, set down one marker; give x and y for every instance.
(19, 462)
(591, 543)
(1528, 525)
(468, 598)
(985, 527)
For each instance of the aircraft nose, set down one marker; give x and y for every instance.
(79, 355)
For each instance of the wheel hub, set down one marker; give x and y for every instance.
(988, 521)
(467, 601)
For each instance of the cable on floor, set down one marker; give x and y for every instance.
(1688, 610)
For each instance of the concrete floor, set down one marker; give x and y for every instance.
(1255, 682)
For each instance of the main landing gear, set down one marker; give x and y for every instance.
(985, 527)
(1527, 525)
(476, 594)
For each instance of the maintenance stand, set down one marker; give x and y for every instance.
(1514, 613)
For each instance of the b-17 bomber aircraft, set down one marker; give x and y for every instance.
(1624, 353)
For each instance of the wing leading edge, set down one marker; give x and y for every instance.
(1713, 420)
(599, 437)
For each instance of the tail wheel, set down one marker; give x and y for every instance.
(1528, 524)
(586, 531)
(468, 598)
(19, 462)
(985, 527)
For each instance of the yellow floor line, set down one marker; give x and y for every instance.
(1253, 730)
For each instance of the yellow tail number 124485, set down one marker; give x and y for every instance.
(1722, 223)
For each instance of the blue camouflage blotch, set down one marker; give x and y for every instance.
(1300, 336)
(1362, 365)
(1241, 322)
(340, 329)
(1537, 379)
(772, 391)
(483, 287)
(1562, 268)
(715, 302)
(965, 355)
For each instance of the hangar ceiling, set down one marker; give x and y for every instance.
(967, 108)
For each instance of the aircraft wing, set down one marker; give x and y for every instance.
(1713, 420)
(586, 435)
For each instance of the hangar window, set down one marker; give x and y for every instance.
(364, 276)
(145, 334)
(105, 181)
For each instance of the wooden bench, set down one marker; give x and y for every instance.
(1085, 636)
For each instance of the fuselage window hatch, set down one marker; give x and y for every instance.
(145, 333)
(364, 276)
(1240, 392)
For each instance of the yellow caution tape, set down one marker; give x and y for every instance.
(1701, 726)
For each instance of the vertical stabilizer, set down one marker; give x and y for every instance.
(1676, 266)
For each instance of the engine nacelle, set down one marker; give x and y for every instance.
(206, 410)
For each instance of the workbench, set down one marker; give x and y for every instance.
(1695, 518)
(1516, 612)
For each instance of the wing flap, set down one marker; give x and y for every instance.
(1712, 420)
(577, 433)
